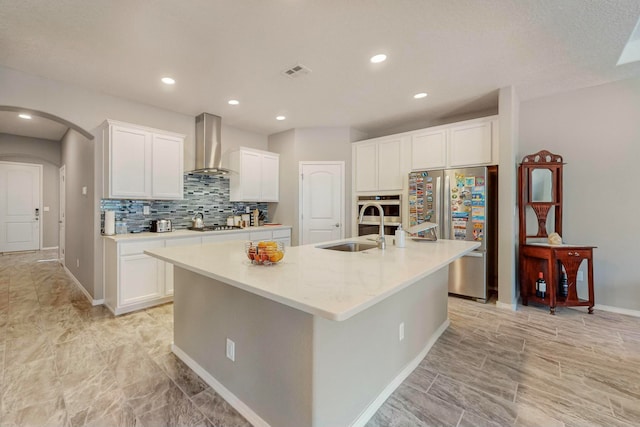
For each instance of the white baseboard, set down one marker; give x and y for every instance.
(627, 311)
(362, 419)
(506, 306)
(231, 398)
(49, 248)
(82, 289)
(373, 407)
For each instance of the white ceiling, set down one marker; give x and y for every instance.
(37, 127)
(459, 51)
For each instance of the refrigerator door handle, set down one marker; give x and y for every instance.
(446, 208)
(438, 208)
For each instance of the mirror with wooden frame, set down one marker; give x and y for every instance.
(540, 195)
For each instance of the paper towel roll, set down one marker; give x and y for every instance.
(109, 223)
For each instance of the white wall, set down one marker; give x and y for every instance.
(507, 198)
(597, 131)
(286, 210)
(308, 144)
(78, 158)
(14, 148)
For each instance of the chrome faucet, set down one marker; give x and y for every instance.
(380, 240)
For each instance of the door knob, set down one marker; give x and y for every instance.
(337, 225)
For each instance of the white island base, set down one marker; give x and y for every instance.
(294, 369)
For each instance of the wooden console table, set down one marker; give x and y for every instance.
(549, 259)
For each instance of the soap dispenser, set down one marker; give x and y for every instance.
(400, 237)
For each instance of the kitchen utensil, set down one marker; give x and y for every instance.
(160, 225)
(197, 222)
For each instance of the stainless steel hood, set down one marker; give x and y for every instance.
(208, 145)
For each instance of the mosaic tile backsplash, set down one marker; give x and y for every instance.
(206, 194)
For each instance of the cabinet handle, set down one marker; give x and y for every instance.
(573, 253)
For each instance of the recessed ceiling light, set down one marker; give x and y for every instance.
(378, 58)
(24, 116)
(168, 81)
(234, 102)
(280, 117)
(420, 95)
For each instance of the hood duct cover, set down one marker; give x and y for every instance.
(208, 145)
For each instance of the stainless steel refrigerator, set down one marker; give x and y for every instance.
(463, 202)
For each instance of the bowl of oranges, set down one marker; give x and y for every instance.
(264, 253)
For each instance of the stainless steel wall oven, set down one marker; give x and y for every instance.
(392, 208)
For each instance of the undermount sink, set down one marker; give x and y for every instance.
(349, 247)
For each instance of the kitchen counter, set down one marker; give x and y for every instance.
(321, 338)
(147, 235)
(331, 284)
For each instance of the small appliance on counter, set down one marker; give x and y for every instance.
(160, 225)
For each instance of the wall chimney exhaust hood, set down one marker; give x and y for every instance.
(208, 146)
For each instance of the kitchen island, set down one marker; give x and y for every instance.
(321, 338)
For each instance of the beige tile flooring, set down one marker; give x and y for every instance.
(69, 364)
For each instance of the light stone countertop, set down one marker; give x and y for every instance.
(331, 284)
(147, 235)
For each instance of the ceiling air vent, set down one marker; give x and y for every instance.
(297, 70)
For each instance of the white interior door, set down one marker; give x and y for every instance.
(20, 200)
(321, 201)
(62, 217)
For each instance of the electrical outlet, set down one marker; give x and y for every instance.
(231, 350)
(146, 210)
(77, 263)
(401, 332)
(580, 276)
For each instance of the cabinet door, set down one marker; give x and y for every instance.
(390, 173)
(270, 178)
(168, 267)
(250, 174)
(130, 163)
(366, 159)
(167, 167)
(429, 150)
(470, 144)
(141, 279)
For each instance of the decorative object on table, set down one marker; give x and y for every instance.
(264, 253)
(555, 239)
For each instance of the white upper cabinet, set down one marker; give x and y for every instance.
(254, 175)
(471, 143)
(378, 164)
(141, 163)
(429, 149)
(167, 167)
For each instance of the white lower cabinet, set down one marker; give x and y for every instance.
(134, 280)
(282, 235)
(141, 279)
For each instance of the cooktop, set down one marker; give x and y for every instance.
(215, 228)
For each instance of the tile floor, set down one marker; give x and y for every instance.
(66, 363)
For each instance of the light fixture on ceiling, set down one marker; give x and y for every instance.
(25, 116)
(420, 95)
(280, 118)
(378, 58)
(234, 102)
(168, 81)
